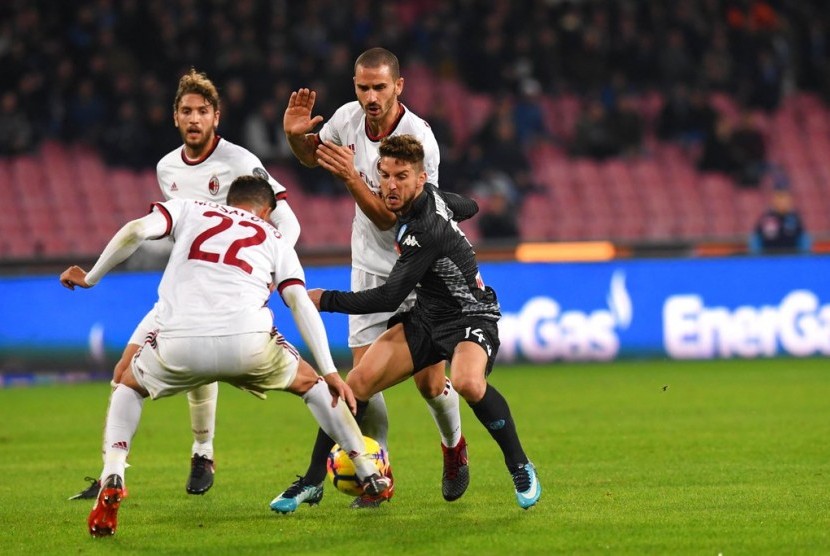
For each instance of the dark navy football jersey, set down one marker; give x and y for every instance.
(436, 260)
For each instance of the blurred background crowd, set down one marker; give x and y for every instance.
(518, 92)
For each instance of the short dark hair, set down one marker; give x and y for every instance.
(376, 57)
(251, 190)
(403, 147)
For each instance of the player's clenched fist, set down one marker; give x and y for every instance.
(74, 276)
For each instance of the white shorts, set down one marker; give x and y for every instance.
(255, 362)
(365, 329)
(144, 328)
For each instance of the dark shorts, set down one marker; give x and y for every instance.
(430, 343)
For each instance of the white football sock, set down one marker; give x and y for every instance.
(104, 431)
(339, 424)
(202, 402)
(447, 415)
(122, 421)
(375, 422)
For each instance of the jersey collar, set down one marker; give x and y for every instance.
(375, 138)
(204, 156)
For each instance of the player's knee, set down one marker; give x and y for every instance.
(304, 380)
(124, 362)
(469, 387)
(431, 384)
(118, 370)
(361, 385)
(127, 379)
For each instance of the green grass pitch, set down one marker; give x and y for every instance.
(655, 457)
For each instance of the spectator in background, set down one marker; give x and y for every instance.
(768, 81)
(716, 155)
(594, 136)
(718, 65)
(527, 114)
(263, 133)
(234, 108)
(439, 121)
(780, 228)
(125, 143)
(87, 113)
(626, 124)
(16, 133)
(748, 150)
(497, 222)
(164, 136)
(676, 65)
(506, 161)
(686, 116)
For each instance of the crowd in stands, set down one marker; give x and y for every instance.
(103, 72)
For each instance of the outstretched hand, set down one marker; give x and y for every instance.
(341, 391)
(74, 276)
(297, 119)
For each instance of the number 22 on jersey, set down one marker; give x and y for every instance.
(231, 254)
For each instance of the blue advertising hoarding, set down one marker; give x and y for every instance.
(675, 308)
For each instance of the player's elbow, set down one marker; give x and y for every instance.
(136, 231)
(390, 304)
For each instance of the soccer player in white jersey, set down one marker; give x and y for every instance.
(202, 168)
(212, 322)
(347, 146)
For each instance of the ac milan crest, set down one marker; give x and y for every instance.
(213, 185)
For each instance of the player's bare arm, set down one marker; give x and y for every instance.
(339, 160)
(298, 126)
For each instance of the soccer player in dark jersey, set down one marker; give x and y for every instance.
(455, 315)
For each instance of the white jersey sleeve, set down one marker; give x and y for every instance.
(310, 325)
(330, 132)
(125, 242)
(247, 163)
(284, 219)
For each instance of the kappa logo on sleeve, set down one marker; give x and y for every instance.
(410, 241)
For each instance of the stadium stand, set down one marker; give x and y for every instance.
(62, 176)
(660, 196)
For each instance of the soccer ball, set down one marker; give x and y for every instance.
(341, 470)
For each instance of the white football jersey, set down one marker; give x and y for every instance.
(210, 177)
(217, 279)
(373, 250)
